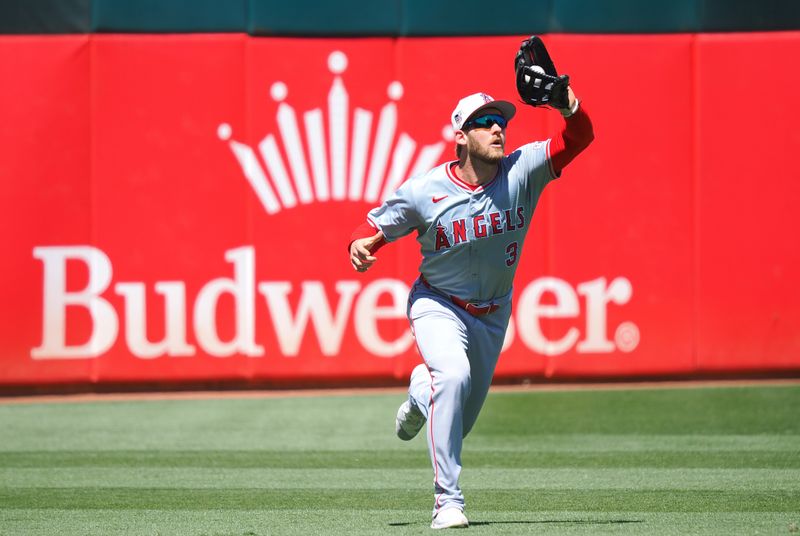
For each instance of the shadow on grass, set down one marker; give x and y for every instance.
(541, 521)
(561, 521)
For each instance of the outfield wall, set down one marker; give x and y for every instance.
(176, 207)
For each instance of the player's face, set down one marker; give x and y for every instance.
(486, 136)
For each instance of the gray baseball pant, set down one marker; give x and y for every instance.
(460, 353)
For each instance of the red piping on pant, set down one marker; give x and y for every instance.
(430, 420)
(433, 444)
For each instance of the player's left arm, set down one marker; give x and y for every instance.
(574, 137)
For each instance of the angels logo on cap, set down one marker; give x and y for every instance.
(472, 104)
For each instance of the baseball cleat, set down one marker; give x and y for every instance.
(409, 421)
(450, 518)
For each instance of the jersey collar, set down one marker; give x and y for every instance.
(475, 188)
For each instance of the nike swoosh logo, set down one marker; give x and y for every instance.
(437, 199)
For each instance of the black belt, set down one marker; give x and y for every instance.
(471, 308)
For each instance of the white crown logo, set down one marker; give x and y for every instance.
(329, 179)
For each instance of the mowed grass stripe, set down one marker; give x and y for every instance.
(736, 410)
(305, 522)
(498, 500)
(532, 441)
(479, 441)
(379, 479)
(685, 418)
(413, 457)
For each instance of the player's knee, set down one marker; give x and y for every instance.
(455, 381)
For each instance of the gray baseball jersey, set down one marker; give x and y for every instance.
(470, 237)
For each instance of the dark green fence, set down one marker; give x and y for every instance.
(396, 17)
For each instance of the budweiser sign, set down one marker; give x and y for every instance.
(268, 302)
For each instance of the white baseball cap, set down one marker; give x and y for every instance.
(472, 104)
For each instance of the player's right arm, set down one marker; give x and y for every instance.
(362, 249)
(395, 218)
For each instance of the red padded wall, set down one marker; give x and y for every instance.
(670, 247)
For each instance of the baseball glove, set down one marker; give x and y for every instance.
(538, 82)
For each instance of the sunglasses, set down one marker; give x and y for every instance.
(486, 121)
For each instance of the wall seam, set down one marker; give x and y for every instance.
(695, 175)
(94, 373)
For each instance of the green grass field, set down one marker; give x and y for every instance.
(719, 460)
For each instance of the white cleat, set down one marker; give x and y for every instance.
(409, 421)
(450, 518)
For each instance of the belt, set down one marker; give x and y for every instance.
(471, 308)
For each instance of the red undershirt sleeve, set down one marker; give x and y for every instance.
(365, 230)
(576, 136)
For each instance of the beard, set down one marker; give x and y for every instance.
(487, 155)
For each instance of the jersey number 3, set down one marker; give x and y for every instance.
(511, 251)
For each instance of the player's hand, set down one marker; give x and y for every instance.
(360, 256)
(570, 101)
(570, 97)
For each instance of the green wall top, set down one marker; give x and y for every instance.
(396, 17)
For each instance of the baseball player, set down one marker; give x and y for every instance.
(471, 217)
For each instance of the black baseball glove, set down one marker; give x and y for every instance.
(538, 82)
